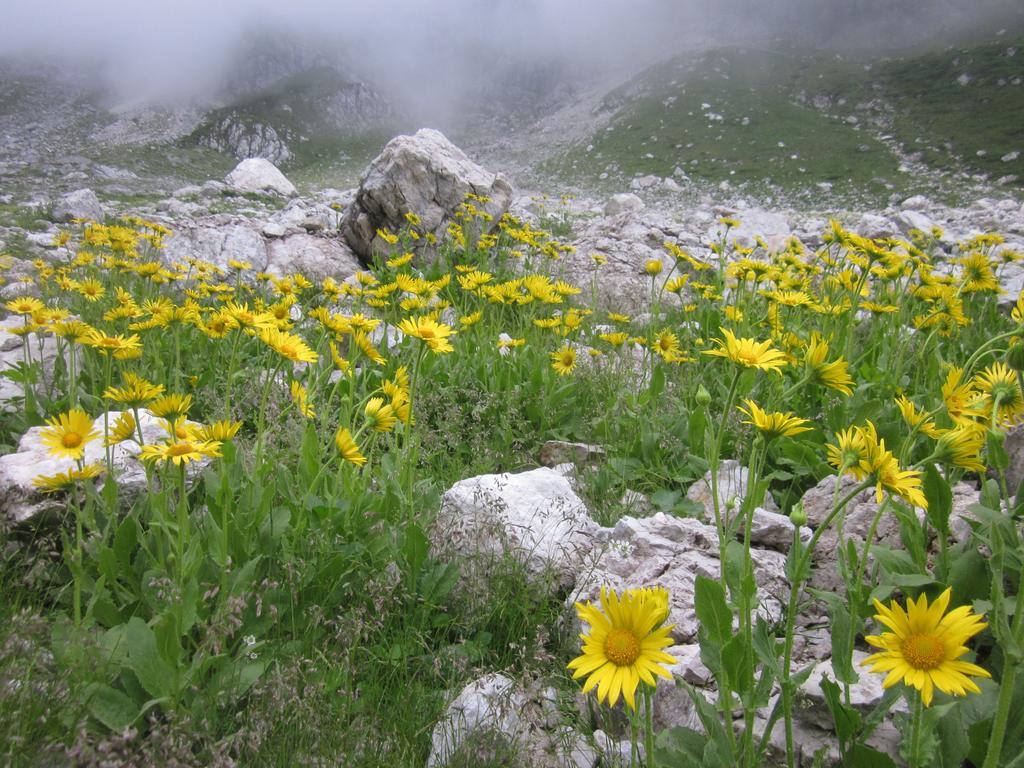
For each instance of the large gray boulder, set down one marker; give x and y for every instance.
(261, 176)
(80, 204)
(424, 174)
(533, 518)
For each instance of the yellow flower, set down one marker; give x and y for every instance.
(68, 434)
(91, 289)
(1001, 392)
(923, 649)
(773, 424)
(468, 320)
(347, 447)
(833, 375)
(380, 416)
(172, 405)
(563, 360)
(120, 346)
(624, 644)
(915, 418)
(179, 452)
(220, 431)
(430, 331)
(653, 267)
(677, 283)
(24, 305)
(289, 345)
(666, 344)
(63, 480)
(362, 341)
(300, 398)
(135, 392)
(961, 447)
(748, 352)
(123, 429)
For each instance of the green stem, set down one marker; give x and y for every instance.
(916, 732)
(649, 724)
(1006, 688)
(791, 609)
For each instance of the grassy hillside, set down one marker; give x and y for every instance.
(791, 120)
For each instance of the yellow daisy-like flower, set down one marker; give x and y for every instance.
(289, 345)
(68, 434)
(180, 452)
(925, 645)
(624, 644)
(748, 352)
(433, 333)
(916, 418)
(135, 392)
(123, 429)
(348, 448)
(24, 305)
(834, 375)
(120, 346)
(220, 431)
(961, 447)
(653, 267)
(1001, 392)
(171, 406)
(380, 416)
(666, 344)
(64, 480)
(563, 360)
(773, 424)
(301, 399)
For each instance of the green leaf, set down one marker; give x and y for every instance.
(940, 499)
(683, 747)
(861, 756)
(736, 664)
(842, 648)
(113, 708)
(712, 609)
(155, 674)
(846, 719)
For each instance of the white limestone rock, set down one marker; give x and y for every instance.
(622, 203)
(424, 174)
(533, 517)
(80, 204)
(671, 552)
(256, 174)
(21, 502)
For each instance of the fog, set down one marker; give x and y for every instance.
(431, 52)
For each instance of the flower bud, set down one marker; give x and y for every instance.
(797, 515)
(703, 397)
(1015, 356)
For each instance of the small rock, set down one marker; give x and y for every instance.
(81, 204)
(625, 202)
(555, 452)
(732, 488)
(273, 230)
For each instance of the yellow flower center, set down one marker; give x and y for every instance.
(622, 648)
(747, 356)
(923, 651)
(288, 350)
(181, 449)
(71, 440)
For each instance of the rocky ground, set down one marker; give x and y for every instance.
(536, 518)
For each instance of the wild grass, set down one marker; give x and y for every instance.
(286, 605)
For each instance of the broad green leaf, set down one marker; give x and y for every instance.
(712, 609)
